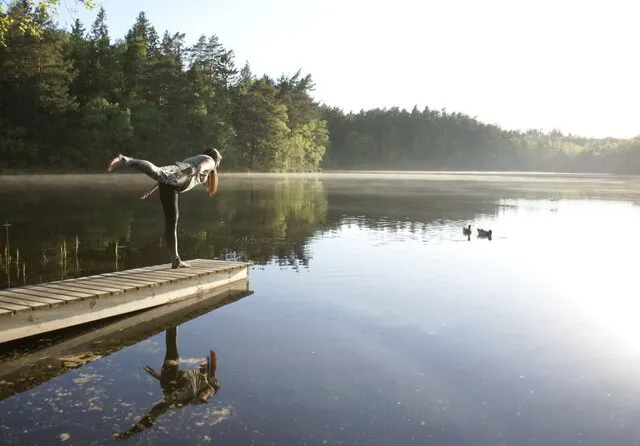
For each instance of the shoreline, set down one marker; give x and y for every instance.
(20, 172)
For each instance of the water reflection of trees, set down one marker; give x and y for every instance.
(262, 219)
(396, 207)
(254, 220)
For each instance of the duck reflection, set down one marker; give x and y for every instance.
(180, 387)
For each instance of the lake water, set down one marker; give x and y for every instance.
(371, 319)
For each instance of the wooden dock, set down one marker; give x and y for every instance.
(36, 309)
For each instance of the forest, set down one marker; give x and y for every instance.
(70, 99)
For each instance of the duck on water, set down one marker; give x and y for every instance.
(482, 233)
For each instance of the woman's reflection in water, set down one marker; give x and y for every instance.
(180, 387)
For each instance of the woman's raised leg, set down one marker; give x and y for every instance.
(143, 166)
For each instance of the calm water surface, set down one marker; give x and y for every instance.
(370, 318)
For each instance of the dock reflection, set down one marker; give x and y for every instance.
(33, 362)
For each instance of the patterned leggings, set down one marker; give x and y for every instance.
(170, 175)
(170, 181)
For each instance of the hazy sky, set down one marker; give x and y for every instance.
(567, 64)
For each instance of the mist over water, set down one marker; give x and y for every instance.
(371, 318)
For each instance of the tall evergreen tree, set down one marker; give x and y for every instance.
(104, 77)
(135, 64)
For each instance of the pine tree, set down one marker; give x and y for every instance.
(104, 77)
(136, 57)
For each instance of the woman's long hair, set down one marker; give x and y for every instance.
(211, 186)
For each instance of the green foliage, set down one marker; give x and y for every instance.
(15, 150)
(73, 99)
(28, 23)
(78, 97)
(437, 140)
(261, 123)
(304, 148)
(103, 126)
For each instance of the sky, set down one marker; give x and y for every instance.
(521, 64)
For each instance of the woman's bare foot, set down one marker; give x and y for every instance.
(179, 264)
(115, 163)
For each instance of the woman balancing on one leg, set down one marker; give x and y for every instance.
(173, 180)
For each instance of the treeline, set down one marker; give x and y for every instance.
(72, 99)
(437, 140)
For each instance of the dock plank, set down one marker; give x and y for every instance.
(161, 275)
(159, 279)
(34, 293)
(120, 280)
(23, 302)
(175, 273)
(73, 292)
(13, 307)
(87, 282)
(137, 278)
(123, 285)
(18, 295)
(180, 272)
(85, 287)
(55, 293)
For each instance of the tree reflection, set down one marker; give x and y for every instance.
(257, 220)
(261, 219)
